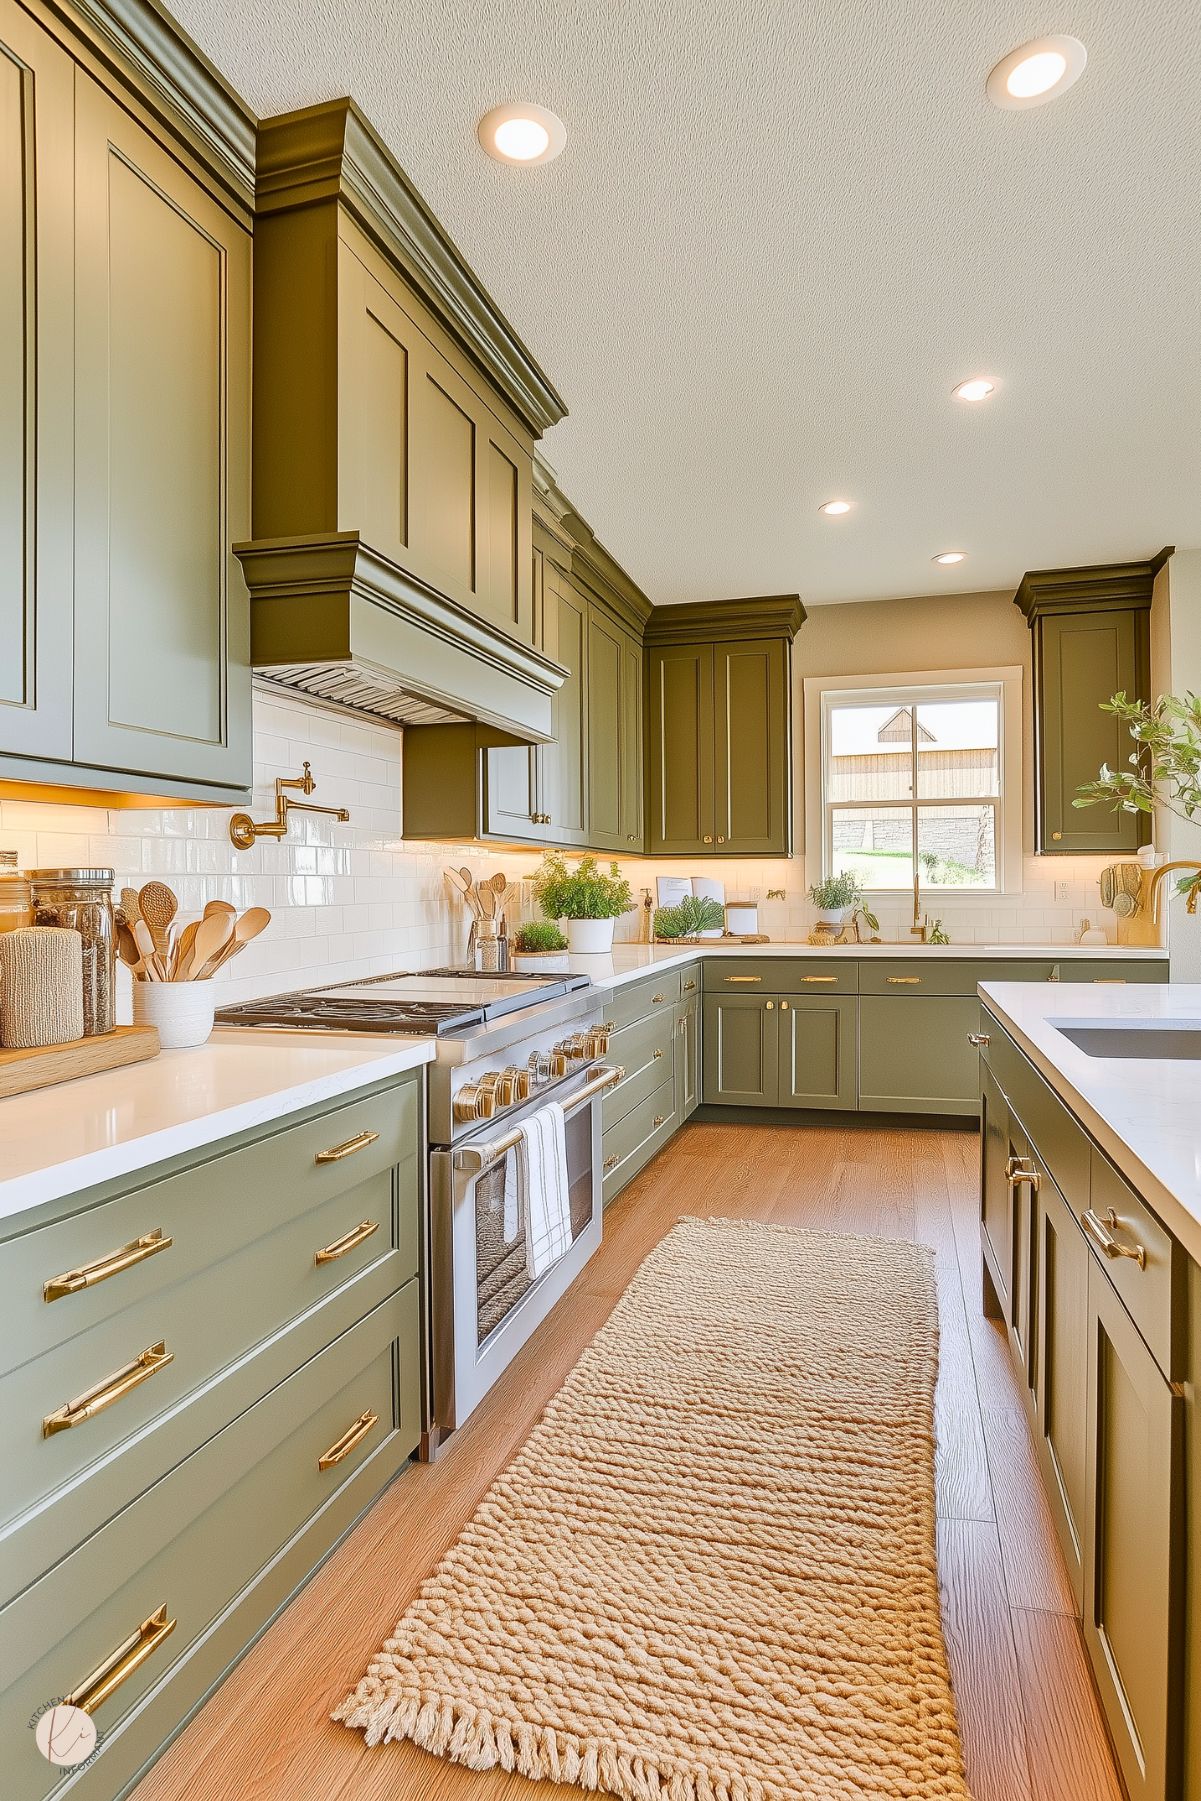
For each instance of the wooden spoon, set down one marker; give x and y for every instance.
(145, 943)
(158, 907)
(183, 951)
(216, 906)
(252, 922)
(212, 935)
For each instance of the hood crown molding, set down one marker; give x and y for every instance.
(1092, 589)
(332, 152)
(697, 622)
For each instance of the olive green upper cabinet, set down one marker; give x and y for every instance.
(125, 184)
(617, 616)
(719, 777)
(396, 413)
(1091, 638)
(36, 355)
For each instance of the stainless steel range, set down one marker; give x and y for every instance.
(505, 1046)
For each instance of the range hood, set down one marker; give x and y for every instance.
(333, 618)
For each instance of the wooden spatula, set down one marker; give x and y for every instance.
(213, 933)
(252, 922)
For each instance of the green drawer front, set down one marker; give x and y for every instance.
(191, 1542)
(913, 975)
(637, 999)
(211, 1212)
(914, 1055)
(782, 975)
(1098, 970)
(1060, 1142)
(644, 1051)
(1155, 1292)
(690, 981)
(629, 1144)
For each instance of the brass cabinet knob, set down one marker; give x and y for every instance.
(658, 1054)
(657, 999)
(707, 838)
(783, 1006)
(611, 1162)
(769, 1006)
(689, 986)
(658, 1120)
(720, 839)
(979, 1039)
(1057, 835)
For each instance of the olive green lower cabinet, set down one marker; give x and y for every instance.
(1102, 1307)
(248, 1379)
(640, 1113)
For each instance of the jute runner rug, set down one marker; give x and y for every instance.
(709, 1574)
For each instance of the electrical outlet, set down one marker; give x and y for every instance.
(1063, 891)
(754, 894)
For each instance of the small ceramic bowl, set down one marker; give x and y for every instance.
(182, 1011)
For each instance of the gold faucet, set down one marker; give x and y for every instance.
(243, 830)
(920, 928)
(1156, 878)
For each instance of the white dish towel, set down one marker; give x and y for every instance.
(536, 1189)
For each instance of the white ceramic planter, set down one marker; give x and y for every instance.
(181, 1011)
(540, 962)
(587, 937)
(833, 916)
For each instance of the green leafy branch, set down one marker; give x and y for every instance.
(1164, 767)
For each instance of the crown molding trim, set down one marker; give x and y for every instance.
(1098, 588)
(702, 621)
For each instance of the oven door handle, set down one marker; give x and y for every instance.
(475, 1158)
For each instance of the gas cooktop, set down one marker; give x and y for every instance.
(428, 1002)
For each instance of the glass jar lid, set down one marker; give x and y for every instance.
(72, 878)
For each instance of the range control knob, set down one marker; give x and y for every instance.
(598, 1042)
(575, 1048)
(515, 1085)
(474, 1101)
(539, 1067)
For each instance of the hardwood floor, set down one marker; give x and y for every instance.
(1032, 1730)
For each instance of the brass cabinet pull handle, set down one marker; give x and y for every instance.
(336, 1152)
(347, 1242)
(689, 986)
(658, 1054)
(611, 1162)
(1101, 1231)
(154, 1358)
(903, 981)
(742, 978)
(1019, 1170)
(353, 1435)
(74, 1281)
(656, 998)
(819, 978)
(128, 1657)
(979, 1039)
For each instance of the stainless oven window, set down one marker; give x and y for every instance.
(502, 1280)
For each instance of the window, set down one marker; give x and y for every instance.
(915, 770)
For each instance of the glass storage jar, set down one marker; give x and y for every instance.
(15, 907)
(82, 899)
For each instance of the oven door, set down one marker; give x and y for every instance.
(484, 1304)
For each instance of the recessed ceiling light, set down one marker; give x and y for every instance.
(947, 557)
(979, 388)
(834, 509)
(1040, 70)
(521, 133)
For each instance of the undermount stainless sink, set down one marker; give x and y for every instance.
(1177, 1042)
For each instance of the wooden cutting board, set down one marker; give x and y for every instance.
(21, 1071)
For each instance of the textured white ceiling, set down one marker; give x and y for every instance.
(777, 237)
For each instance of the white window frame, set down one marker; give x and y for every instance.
(918, 687)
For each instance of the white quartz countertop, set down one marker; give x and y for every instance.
(626, 962)
(59, 1140)
(1144, 1113)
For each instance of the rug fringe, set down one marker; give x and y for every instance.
(477, 1740)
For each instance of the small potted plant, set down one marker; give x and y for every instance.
(839, 899)
(540, 946)
(695, 916)
(585, 896)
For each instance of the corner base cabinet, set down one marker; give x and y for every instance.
(1102, 1308)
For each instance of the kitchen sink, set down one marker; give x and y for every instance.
(1178, 1042)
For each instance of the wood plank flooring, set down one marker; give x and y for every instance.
(1031, 1726)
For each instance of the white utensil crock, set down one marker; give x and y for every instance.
(182, 1011)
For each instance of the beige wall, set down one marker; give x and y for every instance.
(934, 631)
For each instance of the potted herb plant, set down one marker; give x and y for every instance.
(585, 896)
(695, 916)
(540, 945)
(839, 898)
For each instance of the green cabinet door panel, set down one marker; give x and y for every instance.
(37, 181)
(996, 1207)
(680, 749)
(563, 765)
(914, 1055)
(1024, 1179)
(1082, 659)
(751, 747)
(741, 1064)
(606, 663)
(1132, 1578)
(1192, 1536)
(816, 1052)
(162, 654)
(630, 742)
(688, 1057)
(511, 792)
(1061, 1355)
